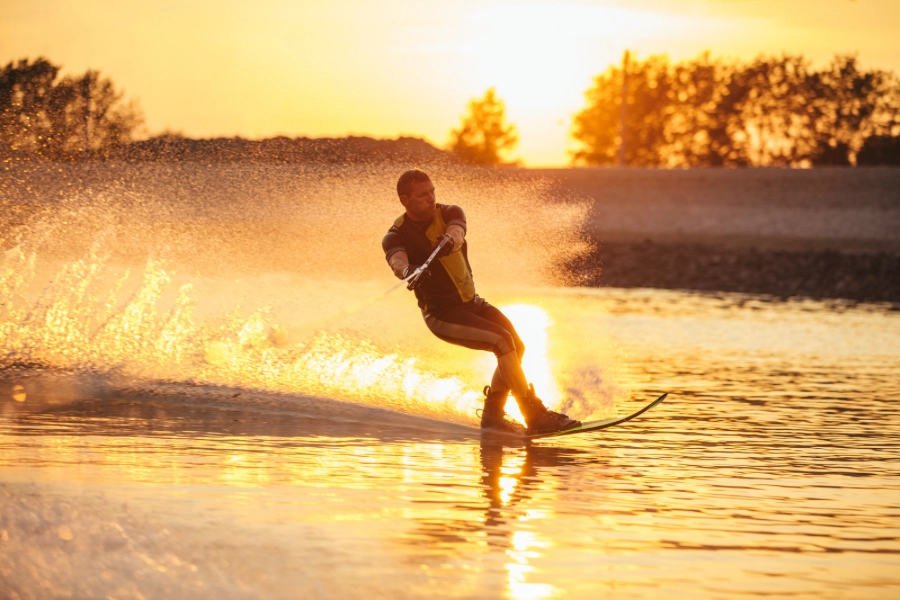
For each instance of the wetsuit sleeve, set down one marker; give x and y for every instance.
(391, 243)
(454, 215)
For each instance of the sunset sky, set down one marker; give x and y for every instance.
(401, 67)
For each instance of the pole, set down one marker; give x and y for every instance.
(623, 109)
(86, 96)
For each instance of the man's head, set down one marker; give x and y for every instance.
(417, 194)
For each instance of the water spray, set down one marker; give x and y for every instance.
(410, 280)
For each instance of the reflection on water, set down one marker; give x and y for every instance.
(17, 392)
(771, 470)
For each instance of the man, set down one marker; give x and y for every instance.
(453, 311)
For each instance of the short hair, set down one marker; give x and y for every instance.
(407, 180)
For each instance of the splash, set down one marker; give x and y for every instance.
(212, 275)
(70, 327)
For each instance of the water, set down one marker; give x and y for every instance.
(271, 451)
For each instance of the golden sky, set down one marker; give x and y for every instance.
(258, 68)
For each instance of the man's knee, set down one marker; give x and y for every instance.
(505, 344)
(509, 343)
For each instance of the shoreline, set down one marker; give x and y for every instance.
(818, 274)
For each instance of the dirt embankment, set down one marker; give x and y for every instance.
(821, 233)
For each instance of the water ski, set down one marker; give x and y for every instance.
(598, 425)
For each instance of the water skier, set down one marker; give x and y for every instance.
(451, 308)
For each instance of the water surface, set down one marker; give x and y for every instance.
(771, 470)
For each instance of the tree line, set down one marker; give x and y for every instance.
(772, 111)
(706, 112)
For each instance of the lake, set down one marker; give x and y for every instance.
(771, 470)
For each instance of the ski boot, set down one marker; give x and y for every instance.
(542, 420)
(494, 417)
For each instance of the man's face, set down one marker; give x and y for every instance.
(419, 203)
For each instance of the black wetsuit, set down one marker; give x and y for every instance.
(451, 308)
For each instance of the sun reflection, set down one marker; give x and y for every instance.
(518, 568)
(18, 393)
(511, 471)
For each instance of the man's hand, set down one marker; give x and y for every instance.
(449, 244)
(457, 236)
(409, 270)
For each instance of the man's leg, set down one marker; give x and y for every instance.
(466, 326)
(508, 376)
(509, 371)
(483, 327)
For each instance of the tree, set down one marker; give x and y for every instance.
(484, 134)
(25, 94)
(706, 96)
(879, 150)
(776, 120)
(851, 106)
(645, 87)
(60, 119)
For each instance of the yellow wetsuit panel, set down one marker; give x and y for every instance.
(454, 263)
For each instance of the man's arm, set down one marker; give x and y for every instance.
(456, 224)
(395, 252)
(399, 261)
(458, 233)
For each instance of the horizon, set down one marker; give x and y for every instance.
(273, 68)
